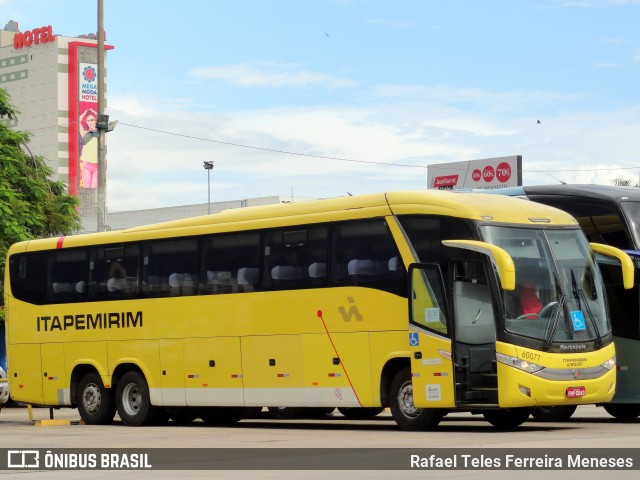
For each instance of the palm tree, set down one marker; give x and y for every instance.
(624, 182)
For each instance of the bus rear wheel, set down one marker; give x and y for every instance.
(508, 418)
(96, 404)
(404, 412)
(553, 414)
(623, 411)
(133, 400)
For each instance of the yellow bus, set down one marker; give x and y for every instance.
(406, 300)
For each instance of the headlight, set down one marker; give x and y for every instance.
(528, 367)
(610, 364)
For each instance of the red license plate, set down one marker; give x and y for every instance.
(575, 392)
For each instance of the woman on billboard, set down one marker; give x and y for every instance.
(88, 149)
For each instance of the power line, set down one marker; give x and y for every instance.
(341, 159)
(264, 149)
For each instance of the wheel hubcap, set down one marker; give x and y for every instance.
(405, 400)
(91, 398)
(131, 399)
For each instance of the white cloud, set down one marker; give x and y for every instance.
(150, 169)
(267, 74)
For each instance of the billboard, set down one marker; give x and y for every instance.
(83, 116)
(87, 125)
(488, 173)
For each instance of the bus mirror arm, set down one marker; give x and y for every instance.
(500, 258)
(625, 261)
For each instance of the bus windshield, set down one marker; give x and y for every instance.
(632, 212)
(558, 295)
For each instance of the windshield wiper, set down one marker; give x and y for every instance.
(579, 294)
(554, 322)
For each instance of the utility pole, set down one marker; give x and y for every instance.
(102, 126)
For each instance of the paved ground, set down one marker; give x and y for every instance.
(591, 427)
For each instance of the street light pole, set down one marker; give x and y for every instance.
(208, 166)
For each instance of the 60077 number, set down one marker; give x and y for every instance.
(533, 357)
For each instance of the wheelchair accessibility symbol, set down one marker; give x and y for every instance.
(414, 341)
(577, 318)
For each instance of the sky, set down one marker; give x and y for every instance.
(322, 98)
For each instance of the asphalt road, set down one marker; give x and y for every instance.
(590, 427)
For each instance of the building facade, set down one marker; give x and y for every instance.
(52, 80)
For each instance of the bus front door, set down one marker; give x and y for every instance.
(474, 335)
(429, 339)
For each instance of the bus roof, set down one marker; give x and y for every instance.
(603, 192)
(474, 206)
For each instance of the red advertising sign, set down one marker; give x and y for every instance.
(484, 174)
(33, 37)
(503, 172)
(445, 182)
(488, 173)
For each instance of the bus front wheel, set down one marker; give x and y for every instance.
(404, 412)
(96, 404)
(508, 418)
(133, 400)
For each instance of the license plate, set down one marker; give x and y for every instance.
(575, 392)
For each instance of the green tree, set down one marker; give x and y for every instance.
(31, 204)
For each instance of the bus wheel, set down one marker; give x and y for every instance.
(356, 413)
(404, 412)
(623, 411)
(553, 414)
(508, 418)
(134, 402)
(96, 404)
(222, 415)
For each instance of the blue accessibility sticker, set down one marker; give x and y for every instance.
(577, 318)
(414, 340)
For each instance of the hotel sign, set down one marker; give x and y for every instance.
(33, 37)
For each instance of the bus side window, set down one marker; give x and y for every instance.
(170, 267)
(230, 263)
(68, 273)
(113, 272)
(364, 254)
(289, 255)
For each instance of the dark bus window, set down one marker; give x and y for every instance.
(364, 254)
(170, 268)
(600, 222)
(427, 233)
(624, 305)
(28, 277)
(68, 271)
(296, 258)
(230, 263)
(113, 272)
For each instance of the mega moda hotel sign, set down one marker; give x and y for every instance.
(33, 37)
(489, 173)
